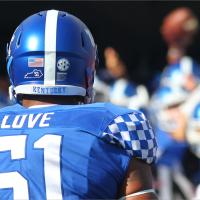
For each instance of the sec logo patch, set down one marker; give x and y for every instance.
(63, 64)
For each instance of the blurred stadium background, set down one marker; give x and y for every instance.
(130, 27)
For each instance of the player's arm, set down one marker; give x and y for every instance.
(134, 134)
(138, 182)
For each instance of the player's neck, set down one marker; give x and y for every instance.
(30, 103)
(30, 100)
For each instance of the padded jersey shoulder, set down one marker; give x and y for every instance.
(133, 132)
(128, 129)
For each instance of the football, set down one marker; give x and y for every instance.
(179, 26)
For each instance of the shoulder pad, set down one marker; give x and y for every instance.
(134, 134)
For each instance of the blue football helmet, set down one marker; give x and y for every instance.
(183, 74)
(163, 99)
(52, 53)
(193, 131)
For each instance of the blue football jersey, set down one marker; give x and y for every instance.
(70, 152)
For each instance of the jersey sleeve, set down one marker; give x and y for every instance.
(134, 134)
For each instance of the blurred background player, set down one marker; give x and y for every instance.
(116, 85)
(193, 138)
(170, 127)
(59, 148)
(178, 30)
(174, 101)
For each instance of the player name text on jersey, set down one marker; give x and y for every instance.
(28, 120)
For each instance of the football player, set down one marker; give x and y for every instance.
(53, 143)
(193, 138)
(170, 126)
(184, 74)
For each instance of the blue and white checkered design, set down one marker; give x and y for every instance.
(133, 133)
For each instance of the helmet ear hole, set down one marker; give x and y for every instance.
(19, 40)
(82, 40)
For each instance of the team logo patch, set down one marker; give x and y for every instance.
(34, 74)
(63, 64)
(35, 62)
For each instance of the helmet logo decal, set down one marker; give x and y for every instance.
(63, 64)
(34, 74)
(35, 62)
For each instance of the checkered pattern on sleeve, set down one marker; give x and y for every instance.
(134, 133)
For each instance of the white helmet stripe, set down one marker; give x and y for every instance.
(50, 47)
